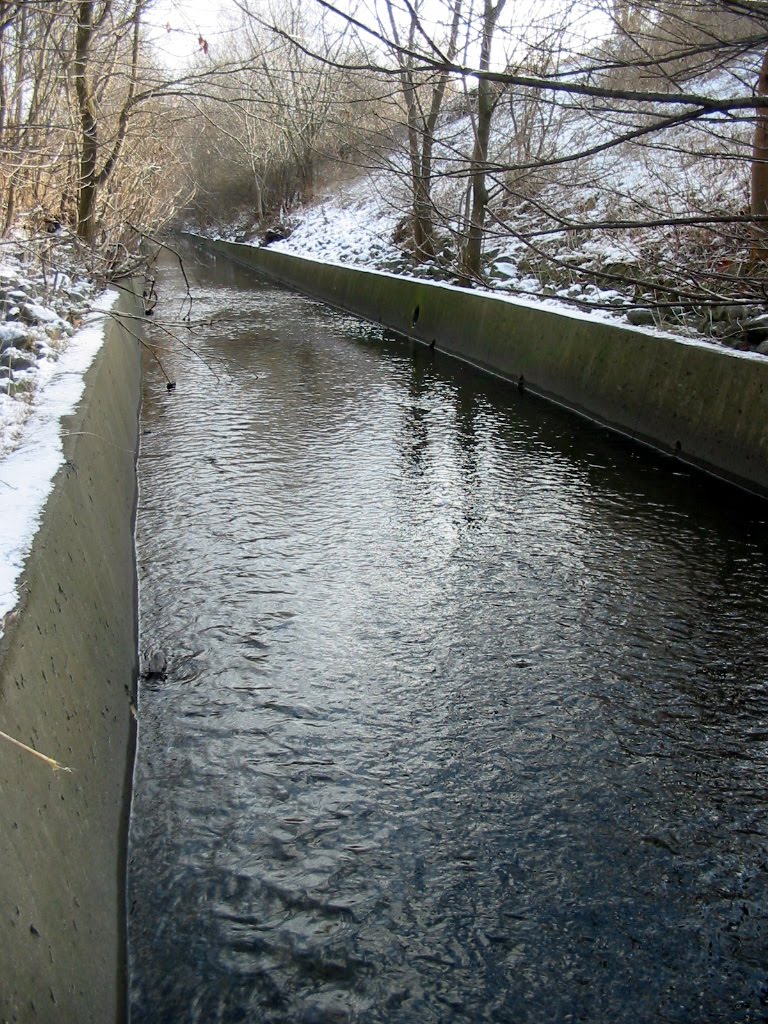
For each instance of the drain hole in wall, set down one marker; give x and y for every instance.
(415, 316)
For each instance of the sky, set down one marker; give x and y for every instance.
(188, 19)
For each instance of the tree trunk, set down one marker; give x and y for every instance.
(421, 130)
(759, 194)
(421, 209)
(486, 101)
(473, 248)
(89, 178)
(86, 191)
(423, 228)
(14, 140)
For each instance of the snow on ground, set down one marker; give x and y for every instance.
(355, 226)
(31, 434)
(535, 247)
(42, 301)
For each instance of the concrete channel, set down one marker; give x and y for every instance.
(67, 681)
(702, 404)
(68, 659)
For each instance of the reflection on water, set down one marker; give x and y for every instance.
(465, 716)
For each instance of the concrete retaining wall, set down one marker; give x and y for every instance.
(704, 404)
(67, 677)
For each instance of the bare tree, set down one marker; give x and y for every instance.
(487, 97)
(271, 125)
(125, 31)
(637, 86)
(31, 135)
(423, 100)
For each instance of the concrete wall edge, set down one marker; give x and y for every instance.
(67, 684)
(703, 405)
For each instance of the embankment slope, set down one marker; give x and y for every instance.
(67, 677)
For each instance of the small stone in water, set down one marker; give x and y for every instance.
(154, 664)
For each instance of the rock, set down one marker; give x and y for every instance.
(735, 313)
(20, 362)
(278, 233)
(641, 317)
(33, 313)
(758, 323)
(721, 314)
(154, 665)
(755, 330)
(12, 335)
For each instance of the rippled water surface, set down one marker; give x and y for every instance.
(465, 712)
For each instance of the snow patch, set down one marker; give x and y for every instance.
(27, 473)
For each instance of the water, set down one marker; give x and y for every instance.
(465, 713)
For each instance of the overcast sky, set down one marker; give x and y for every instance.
(188, 19)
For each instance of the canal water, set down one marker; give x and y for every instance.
(465, 716)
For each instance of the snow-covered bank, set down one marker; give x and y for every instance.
(44, 297)
(27, 472)
(599, 216)
(356, 225)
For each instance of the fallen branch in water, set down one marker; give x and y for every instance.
(36, 753)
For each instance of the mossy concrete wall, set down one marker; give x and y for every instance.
(67, 677)
(704, 404)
